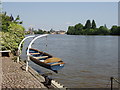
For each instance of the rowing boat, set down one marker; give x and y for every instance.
(46, 60)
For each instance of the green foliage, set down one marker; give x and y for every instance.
(78, 26)
(87, 25)
(118, 30)
(105, 26)
(90, 29)
(7, 20)
(12, 33)
(11, 18)
(39, 31)
(115, 30)
(93, 24)
(102, 31)
(71, 30)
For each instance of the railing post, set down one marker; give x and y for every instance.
(111, 79)
(18, 58)
(28, 58)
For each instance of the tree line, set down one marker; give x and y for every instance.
(91, 29)
(40, 31)
(12, 32)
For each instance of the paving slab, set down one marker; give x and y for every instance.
(13, 76)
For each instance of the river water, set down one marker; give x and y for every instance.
(90, 60)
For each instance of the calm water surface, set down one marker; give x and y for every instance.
(90, 60)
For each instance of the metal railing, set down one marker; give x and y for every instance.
(29, 46)
(19, 47)
(116, 80)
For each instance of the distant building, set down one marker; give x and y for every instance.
(60, 32)
(31, 30)
(57, 32)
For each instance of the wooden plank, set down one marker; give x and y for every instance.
(57, 63)
(54, 59)
(41, 57)
(5, 51)
(41, 52)
(34, 53)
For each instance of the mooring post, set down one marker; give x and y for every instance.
(111, 79)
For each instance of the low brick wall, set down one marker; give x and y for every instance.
(6, 53)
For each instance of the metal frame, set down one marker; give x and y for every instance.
(19, 47)
(28, 58)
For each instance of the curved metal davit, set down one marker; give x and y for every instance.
(19, 47)
(28, 58)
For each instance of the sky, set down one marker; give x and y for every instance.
(60, 15)
(60, 0)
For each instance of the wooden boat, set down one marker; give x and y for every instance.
(46, 60)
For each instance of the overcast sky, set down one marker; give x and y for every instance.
(60, 15)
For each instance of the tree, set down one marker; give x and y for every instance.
(87, 25)
(11, 18)
(40, 31)
(7, 20)
(89, 29)
(105, 25)
(12, 33)
(71, 30)
(12, 38)
(17, 20)
(102, 31)
(118, 30)
(115, 30)
(91, 32)
(78, 26)
(93, 24)
(51, 30)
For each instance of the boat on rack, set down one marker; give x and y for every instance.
(46, 60)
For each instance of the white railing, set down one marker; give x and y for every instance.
(28, 54)
(19, 47)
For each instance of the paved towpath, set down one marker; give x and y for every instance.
(13, 76)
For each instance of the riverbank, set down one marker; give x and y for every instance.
(14, 75)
